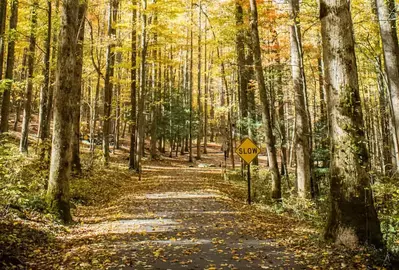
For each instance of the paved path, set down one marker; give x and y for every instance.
(180, 221)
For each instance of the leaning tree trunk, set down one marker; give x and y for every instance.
(29, 83)
(387, 20)
(76, 164)
(302, 137)
(5, 106)
(270, 141)
(64, 104)
(352, 218)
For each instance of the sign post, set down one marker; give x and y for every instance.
(248, 151)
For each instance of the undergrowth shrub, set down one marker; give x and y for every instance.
(22, 179)
(386, 195)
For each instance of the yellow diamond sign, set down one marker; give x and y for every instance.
(248, 150)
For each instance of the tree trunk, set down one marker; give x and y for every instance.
(109, 73)
(352, 218)
(64, 104)
(387, 20)
(199, 128)
(242, 74)
(270, 141)
(23, 148)
(206, 101)
(5, 107)
(46, 83)
(76, 164)
(3, 15)
(143, 94)
(302, 145)
(133, 90)
(190, 157)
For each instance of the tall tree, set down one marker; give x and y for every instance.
(76, 164)
(143, 93)
(386, 11)
(29, 80)
(302, 136)
(43, 128)
(352, 218)
(199, 96)
(270, 141)
(191, 80)
(242, 74)
(3, 16)
(109, 73)
(64, 103)
(133, 89)
(5, 107)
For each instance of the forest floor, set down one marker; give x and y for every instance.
(178, 216)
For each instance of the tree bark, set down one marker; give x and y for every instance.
(46, 84)
(76, 164)
(270, 141)
(3, 15)
(23, 148)
(242, 74)
(109, 73)
(143, 94)
(352, 218)
(199, 95)
(191, 80)
(133, 90)
(64, 104)
(387, 20)
(302, 137)
(5, 106)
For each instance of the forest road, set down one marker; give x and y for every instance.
(180, 220)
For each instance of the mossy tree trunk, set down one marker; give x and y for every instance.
(64, 104)
(352, 218)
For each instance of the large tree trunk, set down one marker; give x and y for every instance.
(109, 73)
(76, 165)
(133, 90)
(387, 20)
(352, 219)
(29, 83)
(270, 141)
(302, 137)
(5, 106)
(64, 104)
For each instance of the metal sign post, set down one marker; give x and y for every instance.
(248, 151)
(249, 183)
